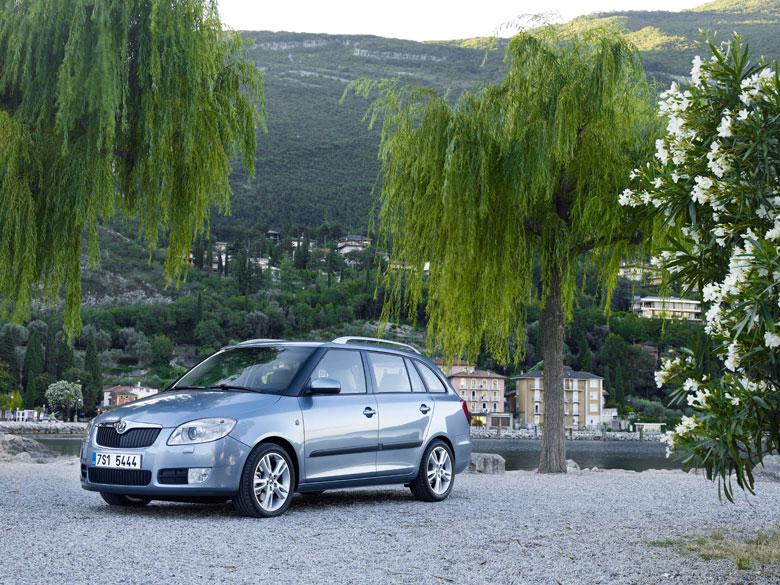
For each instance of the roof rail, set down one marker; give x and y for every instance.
(252, 341)
(350, 339)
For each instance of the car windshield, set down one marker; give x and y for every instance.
(260, 369)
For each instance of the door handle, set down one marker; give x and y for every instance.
(369, 412)
(424, 408)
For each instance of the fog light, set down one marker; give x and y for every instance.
(198, 474)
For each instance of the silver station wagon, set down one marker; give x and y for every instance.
(259, 421)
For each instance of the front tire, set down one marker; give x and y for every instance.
(436, 475)
(267, 483)
(124, 501)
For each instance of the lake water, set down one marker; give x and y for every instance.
(633, 455)
(519, 454)
(62, 444)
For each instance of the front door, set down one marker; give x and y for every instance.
(341, 431)
(405, 411)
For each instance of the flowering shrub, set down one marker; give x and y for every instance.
(64, 396)
(714, 191)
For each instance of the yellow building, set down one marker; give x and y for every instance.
(583, 394)
(483, 392)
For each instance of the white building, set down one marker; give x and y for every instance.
(668, 308)
(352, 243)
(118, 395)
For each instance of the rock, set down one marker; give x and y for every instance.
(770, 470)
(571, 465)
(489, 463)
(18, 447)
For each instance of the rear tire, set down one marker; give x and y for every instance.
(436, 475)
(124, 500)
(267, 483)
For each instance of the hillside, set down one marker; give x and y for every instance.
(318, 161)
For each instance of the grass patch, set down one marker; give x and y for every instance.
(760, 549)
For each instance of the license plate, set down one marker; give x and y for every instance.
(116, 460)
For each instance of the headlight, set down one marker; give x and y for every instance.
(201, 431)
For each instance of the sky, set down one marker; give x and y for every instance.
(418, 20)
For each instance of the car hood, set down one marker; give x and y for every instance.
(170, 409)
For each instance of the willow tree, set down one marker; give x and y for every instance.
(137, 106)
(518, 174)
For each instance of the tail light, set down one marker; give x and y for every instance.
(466, 410)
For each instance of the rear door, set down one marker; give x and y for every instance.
(341, 430)
(405, 411)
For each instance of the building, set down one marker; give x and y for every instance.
(641, 272)
(483, 392)
(118, 395)
(352, 243)
(667, 308)
(583, 395)
(273, 235)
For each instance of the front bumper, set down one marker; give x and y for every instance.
(225, 457)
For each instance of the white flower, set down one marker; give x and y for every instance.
(771, 340)
(742, 114)
(774, 233)
(724, 130)
(696, 70)
(711, 292)
(700, 192)
(660, 151)
(732, 359)
(733, 399)
(627, 198)
(687, 424)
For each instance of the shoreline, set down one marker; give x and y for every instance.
(605, 436)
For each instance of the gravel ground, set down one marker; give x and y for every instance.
(521, 527)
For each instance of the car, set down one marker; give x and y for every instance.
(261, 420)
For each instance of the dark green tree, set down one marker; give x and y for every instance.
(522, 173)
(618, 393)
(32, 368)
(8, 353)
(162, 349)
(136, 106)
(93, 375)
(586, 357)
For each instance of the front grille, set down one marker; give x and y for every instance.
(173, 475)
(119, 476)
(132, 439)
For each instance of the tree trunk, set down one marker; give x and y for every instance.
(553, 457)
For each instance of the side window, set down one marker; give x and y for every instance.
(417, 383)
(431, 379)
(389, 372)
(344, 366)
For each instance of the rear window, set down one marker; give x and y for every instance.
(263, 369)
(432, 381)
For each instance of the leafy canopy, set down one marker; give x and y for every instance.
(137, 106)
(520, 173)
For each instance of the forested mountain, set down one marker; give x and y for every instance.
(318, 161)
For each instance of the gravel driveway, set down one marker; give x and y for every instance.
(586, 527)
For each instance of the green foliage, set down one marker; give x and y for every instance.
(32, 368)
(64, 397)
(138, 106)
(93, 374)
(713, 190)
(162, 349)
(8, 354)
(518, 172)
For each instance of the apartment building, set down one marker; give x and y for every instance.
(483, 392)
(583, 395)
(667, 308)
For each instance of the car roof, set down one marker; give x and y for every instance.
(401, 351)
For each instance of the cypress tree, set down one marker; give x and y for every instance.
(93, 375)
(8, 354)
(32, 368)
(619, 385)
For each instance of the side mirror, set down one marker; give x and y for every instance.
(324, 386)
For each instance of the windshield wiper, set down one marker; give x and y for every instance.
(232, 387)
(185, 388)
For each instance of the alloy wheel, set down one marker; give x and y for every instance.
(439, 470)
(272, 482)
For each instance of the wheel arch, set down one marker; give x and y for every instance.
(288, 447)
